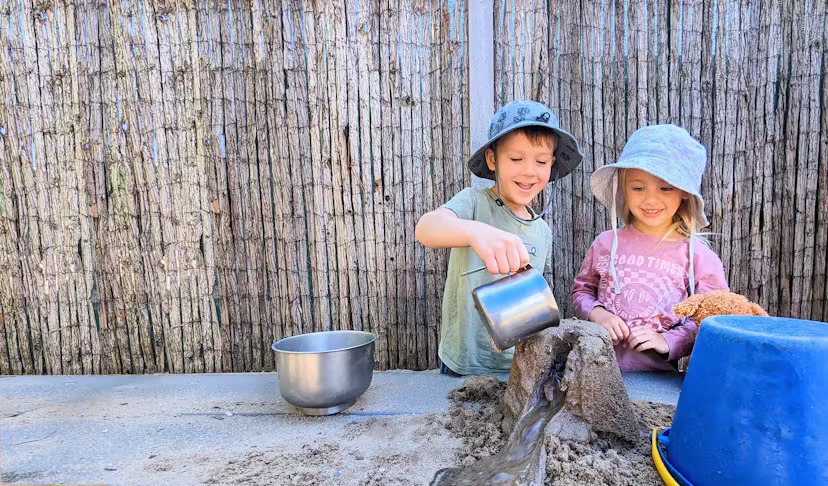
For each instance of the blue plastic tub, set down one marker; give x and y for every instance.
(753, 409)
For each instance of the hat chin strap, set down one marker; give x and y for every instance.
(499, 201)
(614, 221)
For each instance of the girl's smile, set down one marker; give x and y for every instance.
(652, 202)
(651, 213)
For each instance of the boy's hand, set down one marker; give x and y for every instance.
(501, 251)
(617, 328)
(642, 338)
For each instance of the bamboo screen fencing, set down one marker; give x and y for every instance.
(181, 184)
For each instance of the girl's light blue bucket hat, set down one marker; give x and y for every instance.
(665, 151)
(525, 113)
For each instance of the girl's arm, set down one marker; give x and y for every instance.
(680, 339)
(588, 307)
(709, 277)
(585, 289)
(709, 271)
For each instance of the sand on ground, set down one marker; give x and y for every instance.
(408, 450)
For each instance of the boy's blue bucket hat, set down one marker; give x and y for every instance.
(527, 113)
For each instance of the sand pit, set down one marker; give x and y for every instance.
(408, 450)
(600, 437)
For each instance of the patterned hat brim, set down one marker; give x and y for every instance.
(567, 153)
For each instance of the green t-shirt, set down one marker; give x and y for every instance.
(464, 342)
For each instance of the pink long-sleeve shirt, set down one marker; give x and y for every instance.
(653, 277)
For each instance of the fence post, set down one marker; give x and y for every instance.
(481, 75)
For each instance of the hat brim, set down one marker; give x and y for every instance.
(567, 153)
(601, 182)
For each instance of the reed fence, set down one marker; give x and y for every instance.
(183, 183)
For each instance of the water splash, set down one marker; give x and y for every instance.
(512, 464)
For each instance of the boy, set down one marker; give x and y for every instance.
(496, 227)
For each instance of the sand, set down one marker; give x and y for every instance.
(226, 430)
(408, 450)
(475, 417)
(395, 450)
(596, 398)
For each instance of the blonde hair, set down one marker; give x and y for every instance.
(686, 220)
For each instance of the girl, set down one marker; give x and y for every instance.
(633, 276)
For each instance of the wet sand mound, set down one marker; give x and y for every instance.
(477, 418)
(600, 437)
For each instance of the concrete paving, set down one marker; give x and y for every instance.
(104, 428)
(659, 387)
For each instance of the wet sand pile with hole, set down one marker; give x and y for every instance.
(477, 417)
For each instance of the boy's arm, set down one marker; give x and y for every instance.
(585, 289)
(442, 228)
(501, 251)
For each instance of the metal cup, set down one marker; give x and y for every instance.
(515, 307)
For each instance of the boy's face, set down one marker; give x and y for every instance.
(523, 168)
(652, 201)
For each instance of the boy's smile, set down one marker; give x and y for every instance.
(523, 168)
(652, 201)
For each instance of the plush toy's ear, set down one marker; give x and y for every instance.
(757, 310)
(688, 306)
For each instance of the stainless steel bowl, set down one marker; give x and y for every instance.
(323, 373)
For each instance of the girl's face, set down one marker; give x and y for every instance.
(523, 169)
(652, 201)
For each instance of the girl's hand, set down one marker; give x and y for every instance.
(642, 338)
(501, 251)
(617, 328)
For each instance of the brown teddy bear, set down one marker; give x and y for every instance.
(699, 306)
(719, 302)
